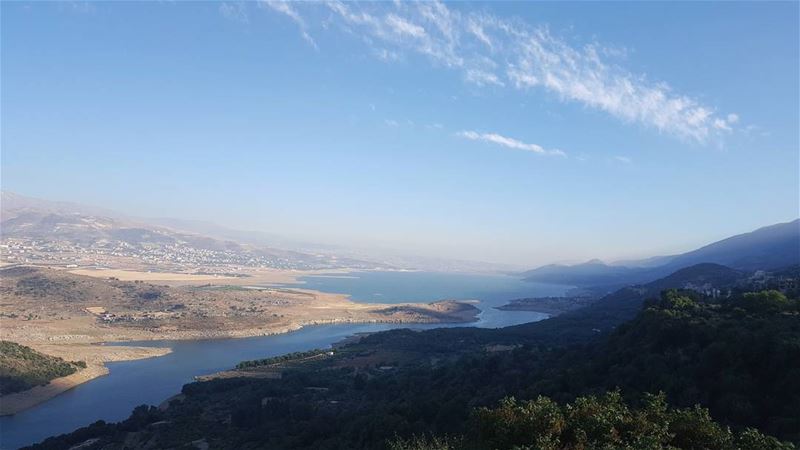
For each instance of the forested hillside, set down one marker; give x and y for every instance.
(594, 422)
(22, 368)
(624, 304)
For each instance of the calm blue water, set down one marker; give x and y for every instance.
(399, 287)
(151, 381)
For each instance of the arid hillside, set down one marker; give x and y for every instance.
(40, 304)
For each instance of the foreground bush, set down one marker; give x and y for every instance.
(604, 422)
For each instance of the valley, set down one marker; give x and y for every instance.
(665, 366)
(399, 225)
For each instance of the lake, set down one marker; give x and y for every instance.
(151, 381)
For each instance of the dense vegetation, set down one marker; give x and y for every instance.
(737, 354)
(22, 368)
(289, 357)
(740, 357)
(604, 422)
(605, 315)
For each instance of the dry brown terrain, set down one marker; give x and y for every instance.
(250, 276)
(65, 314)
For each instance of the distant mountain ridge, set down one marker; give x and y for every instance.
(13, 204)
(766, 248)
(590, 273)
(28, 217)
(624, 303)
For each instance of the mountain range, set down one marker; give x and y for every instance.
(33, 218)
(766, 248)
(30, 218)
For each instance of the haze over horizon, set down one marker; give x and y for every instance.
(514, 133)
(14, 203)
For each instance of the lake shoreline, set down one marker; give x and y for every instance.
(150, 381)
(17, 402)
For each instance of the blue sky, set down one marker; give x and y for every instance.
(508, 132)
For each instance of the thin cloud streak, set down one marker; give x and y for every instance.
(285, 8)
(492, 51)
(234, 11)
(623, 159)
(508, 142)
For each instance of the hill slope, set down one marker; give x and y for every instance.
(63, 232)
(22, 368)
(608, 312)
(763, 249)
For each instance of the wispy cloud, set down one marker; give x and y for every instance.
(508, 142)
(285, 8)
(623, 159)
(77, 6)
(234, 11)
(402, 27)
(489, 50)
(482, 78)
